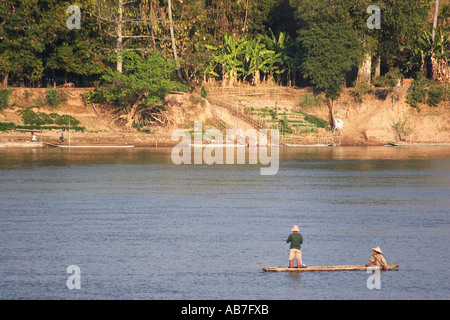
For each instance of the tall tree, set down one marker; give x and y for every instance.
(139, 90)
(125, 22)
(332, 47)
(402, 22)
(23, 39)
(172, 37)
(35, 42)
(437, 61)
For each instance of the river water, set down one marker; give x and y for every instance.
(140, 227)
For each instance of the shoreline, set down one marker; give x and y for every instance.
(171, 144)
(369, 123)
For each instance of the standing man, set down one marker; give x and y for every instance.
(63, 137)
(296, 240)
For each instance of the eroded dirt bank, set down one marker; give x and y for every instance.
(370, 122)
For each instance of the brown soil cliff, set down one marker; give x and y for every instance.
(370, 122)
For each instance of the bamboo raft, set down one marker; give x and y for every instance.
(326, 268)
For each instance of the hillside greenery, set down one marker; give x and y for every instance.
(135, 52)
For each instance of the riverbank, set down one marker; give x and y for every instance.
(374, 121)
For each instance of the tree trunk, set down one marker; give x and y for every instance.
(432, 60)
(436, 11)
(365, 70)
(130, 116)
(5, 80)
(244, 28)
(153, 25)
(119, 66)
(174, 47)
(378, 68)
(256, 78)
(330, 104)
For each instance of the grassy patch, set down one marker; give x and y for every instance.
(320, 123)
(6, 126)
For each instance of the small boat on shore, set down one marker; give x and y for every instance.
(326, 268)
(46, 144)
(418, 144)
(308, 145)
(216, 145)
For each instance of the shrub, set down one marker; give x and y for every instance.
(284, 126)
(39, 102)
(203, 92)
(93, 97)
(417, 92)
(316, 121)
(66, 119)
(30, 117)
(310, 101)
(6, 126)
(54, 98)
(360, 89)
(389, 80)
(435, 95)
(4, 98)
(38, 127)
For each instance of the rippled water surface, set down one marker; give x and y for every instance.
(140, 227)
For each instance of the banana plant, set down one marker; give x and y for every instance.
(228, 57)
(291, 54)
(259, 59)
(425, 47)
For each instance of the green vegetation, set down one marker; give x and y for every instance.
(310, 101)
(203, 92)
(320, 123)
(388, 80)
(144, 82)
(223, 39)
(41, 120)
(4, 98)
(134, 60)
(435, 95)
(290, 122)
(359, 90)
(140, 89)
(6, 126)
(54, 98)
(424, 90)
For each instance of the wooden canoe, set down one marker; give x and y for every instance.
(87, 146)
(308, 145)
(326, 268)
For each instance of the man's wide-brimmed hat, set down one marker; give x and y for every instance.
(377, 249)
(295, 228)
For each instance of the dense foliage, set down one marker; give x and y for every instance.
(124, 46)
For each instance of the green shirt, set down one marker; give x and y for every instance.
(296, 240)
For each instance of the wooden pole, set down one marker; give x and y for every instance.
(393, 114)
(69, 133)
